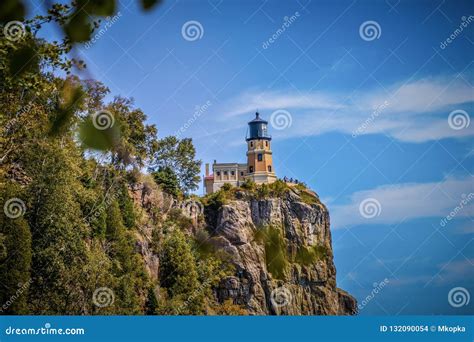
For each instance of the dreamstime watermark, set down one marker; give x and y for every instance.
(370, 208)
(192, 297)
(465, 21)
(192, 30)
(97, 212)
(280, 297)
(458, 296)
(21, 289)
(459, 119)
(377, 287)
(466, 199)
(14, 30)
(198, 111)
(363, 127)
(46, 330)
(370, 30)
(103, 120)
(109, 22)
(287, 22)
(103, 297)
(281, 119)
(14, 208)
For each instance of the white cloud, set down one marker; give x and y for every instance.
(408, 201)
(413, 112)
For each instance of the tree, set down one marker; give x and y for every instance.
(138, 140)
(179, 156)
(168, 180)
(179, 276)
(15, 258)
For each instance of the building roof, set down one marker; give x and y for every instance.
(258, 119)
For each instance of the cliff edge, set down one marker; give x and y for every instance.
(278, 244)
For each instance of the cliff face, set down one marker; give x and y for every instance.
(305, 288)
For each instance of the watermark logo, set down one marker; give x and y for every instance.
(465, 21)
(370, 208)
(369, 121)
(370, 30)
(198, 111)
(109, 22)
(192, 30)
(466, 199)
(377, 287)
(103, 297)
(14, 208)
(103, 120)
(287, 22)
(281, 119)
(14, 30)
(458, 296)
(280, 297)
(459, 119)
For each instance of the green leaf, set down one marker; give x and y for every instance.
(148, 4)
(22, 60)
(78, 29)
(99, 139)
(11, 10)
(101, 7)
(70, 99)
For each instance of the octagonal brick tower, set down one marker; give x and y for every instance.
(259, 153)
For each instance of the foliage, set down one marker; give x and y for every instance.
(15, 258)
(179, 156)
(168, 181)
(308, 198)
(178, 273)
(308, 255)
(275, 250)
(228, 308)
(248, 184)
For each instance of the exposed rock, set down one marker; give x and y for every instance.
(307, 290)
(311, 290)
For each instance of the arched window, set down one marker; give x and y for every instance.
(269, 168)
(250, 169)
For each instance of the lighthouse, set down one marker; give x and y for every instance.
(259, 152)
(259, 166)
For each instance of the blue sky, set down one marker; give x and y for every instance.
(378, 119)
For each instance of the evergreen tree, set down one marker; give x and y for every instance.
(168, 180)
(179, 276)
(15, 258)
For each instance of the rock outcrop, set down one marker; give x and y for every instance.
(306, 289)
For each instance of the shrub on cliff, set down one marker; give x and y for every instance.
(276, 256)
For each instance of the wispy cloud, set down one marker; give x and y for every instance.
(403, 202)
(415, 111)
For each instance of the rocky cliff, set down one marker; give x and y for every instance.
(306, 281)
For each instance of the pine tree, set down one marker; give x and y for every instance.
(15, 258)
(179, 276)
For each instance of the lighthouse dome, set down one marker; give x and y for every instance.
(258, 129)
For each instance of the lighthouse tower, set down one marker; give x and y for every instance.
(259, 152)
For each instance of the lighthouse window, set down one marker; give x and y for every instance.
(260, 157)
(251, 144)
(266, 143)
(269, 168)
(250, 169)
